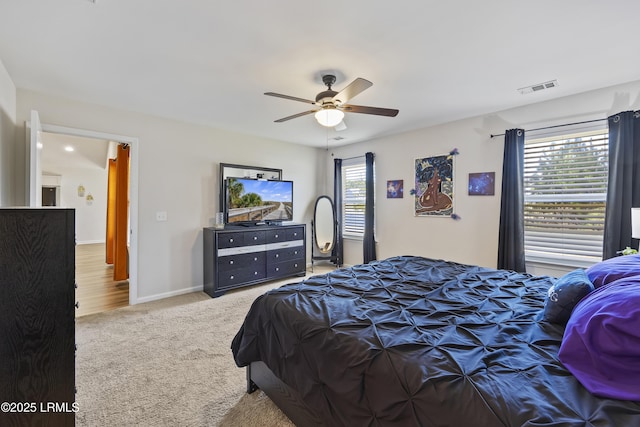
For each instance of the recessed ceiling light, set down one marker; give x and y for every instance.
(68, 148)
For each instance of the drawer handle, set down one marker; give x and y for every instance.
(277, 255)
(277, 268)
(255, 273)
(276, 236)
(295, 234)
(255, 237)
(295, 265)
(230, 240)
(231, 277)
(231, 262)
(295, 252)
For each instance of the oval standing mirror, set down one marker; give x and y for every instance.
(324, 220)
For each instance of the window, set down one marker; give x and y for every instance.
(353, 197)
(565, 189)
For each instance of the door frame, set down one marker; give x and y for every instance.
(33, 171)
(133, 193)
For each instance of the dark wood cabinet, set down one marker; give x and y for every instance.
(240, 256)
(37, 317)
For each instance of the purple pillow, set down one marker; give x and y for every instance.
(601, 343)
(613, 269)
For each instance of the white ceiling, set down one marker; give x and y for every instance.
(210, 62)
(88, 153)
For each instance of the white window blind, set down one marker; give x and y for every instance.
(353, 198)
(565, 184)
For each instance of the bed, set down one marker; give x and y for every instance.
(415, 341)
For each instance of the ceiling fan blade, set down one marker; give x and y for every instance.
(369, 110)
(354, 88)
(295, 116)
(293, 98)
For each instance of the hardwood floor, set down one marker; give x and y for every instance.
(97, 292)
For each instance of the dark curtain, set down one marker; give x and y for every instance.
(511, 233)
(369, 241)
(623, 191)
(337, 252)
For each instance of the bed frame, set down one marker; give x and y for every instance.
(259, 376)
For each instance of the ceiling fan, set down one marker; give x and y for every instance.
(332, 105)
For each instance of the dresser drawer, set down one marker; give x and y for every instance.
(295, 233)
(240, 238)
(235, 262)
(233, 278)
(274, 236)
(279, 255)
(285, 234)
(286, 268)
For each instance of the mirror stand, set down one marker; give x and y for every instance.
(323, 230)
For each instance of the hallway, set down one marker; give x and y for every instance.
(97, 292)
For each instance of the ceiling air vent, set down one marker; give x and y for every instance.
(337, 138)
(538, 87)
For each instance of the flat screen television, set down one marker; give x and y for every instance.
(255, 201)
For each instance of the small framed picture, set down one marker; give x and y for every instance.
(395, 189)
(482, 184)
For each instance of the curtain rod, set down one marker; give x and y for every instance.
(354, 157)
(556, 126)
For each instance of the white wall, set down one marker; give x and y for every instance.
(91, 218)
(178, 173)
(474, 238)
(7, 136)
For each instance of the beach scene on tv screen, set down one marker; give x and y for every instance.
(257, 200)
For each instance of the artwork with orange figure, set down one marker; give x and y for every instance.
(434, 186)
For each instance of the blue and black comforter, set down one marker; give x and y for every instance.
(410, 341)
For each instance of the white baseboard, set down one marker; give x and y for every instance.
(168, 294)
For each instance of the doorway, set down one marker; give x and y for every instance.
(60, 131)
(49, 196)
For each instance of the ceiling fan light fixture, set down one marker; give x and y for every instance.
(329, 117)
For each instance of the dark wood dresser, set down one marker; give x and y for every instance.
(37, 317)
(239, 256)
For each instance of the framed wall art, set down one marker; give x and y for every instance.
(482, 184)
(434, 186)
(395, 189)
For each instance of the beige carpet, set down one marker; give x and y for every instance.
(169, 363)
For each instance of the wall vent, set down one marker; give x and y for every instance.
(538, 87)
